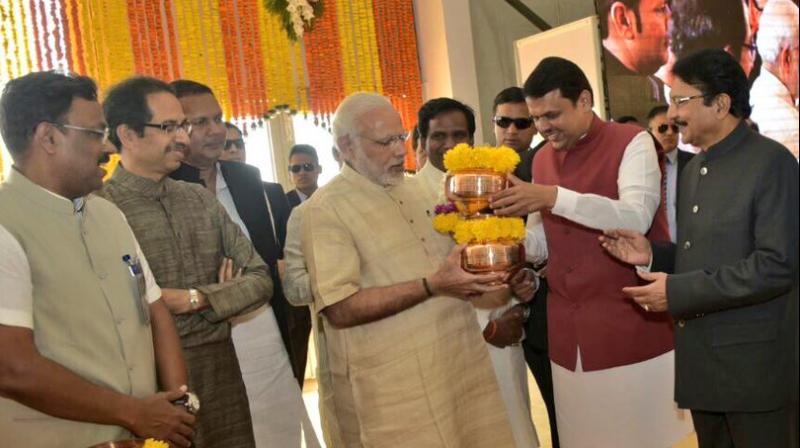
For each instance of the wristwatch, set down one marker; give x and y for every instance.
(190, 401)
(194, 299)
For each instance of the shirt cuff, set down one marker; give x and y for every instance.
(646, 268)
(14, 318)
(566, 202)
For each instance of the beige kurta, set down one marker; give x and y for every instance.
(420, 378)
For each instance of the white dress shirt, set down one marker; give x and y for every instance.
(671, 166)
(638, 182)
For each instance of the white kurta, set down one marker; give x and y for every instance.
(634, 405)
(512, 377)
(774, 111)
(276, 402)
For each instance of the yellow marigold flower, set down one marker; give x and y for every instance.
(153, 443)
(463, 157)
(489, 229)
(446, 222)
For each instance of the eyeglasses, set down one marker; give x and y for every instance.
(679, 101)
(103, 133)
(388, 141)
(307, 167)
(170, 127)
(237, 142)
(519, 123)
(662, 129)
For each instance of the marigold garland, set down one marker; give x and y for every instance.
(491, 229)
(463, 157)
(478, 230)
(446, 222)
(356, 45)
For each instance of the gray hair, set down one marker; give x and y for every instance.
(354, 107)
(777, 29)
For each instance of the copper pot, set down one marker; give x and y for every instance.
(471, 190)
(492, 257)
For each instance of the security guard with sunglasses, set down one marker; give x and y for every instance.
(666, 133)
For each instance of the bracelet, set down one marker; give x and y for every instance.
(492, 330)
(427, 287)
(194, 301)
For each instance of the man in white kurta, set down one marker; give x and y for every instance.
(408, 364)
(774, 93)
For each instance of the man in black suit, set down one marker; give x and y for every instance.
(240, 189)
(304, 168)
(666, 133)
(279, 209)
(513, 127)
(733, 293)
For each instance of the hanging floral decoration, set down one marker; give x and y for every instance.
(296, 16)
(262, 58)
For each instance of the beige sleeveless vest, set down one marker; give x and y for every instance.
(85, 313)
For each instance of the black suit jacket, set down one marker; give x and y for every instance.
(279, 204)
(247, 190)
(683, 159)
(294, 198)
(733, 293)
(536, 326)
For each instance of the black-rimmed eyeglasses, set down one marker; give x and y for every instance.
(170, 127)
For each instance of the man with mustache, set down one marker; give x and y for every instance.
(209, 270)
(611, 360)
(408, 365)
(442, 123)
(265, 339)
(731, 281)
(85, 337)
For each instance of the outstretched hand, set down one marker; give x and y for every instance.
(628, 246)
(523, 198)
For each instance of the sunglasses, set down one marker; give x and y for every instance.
(237, 142)
(662, 129)
(307, 167)
(519, 123)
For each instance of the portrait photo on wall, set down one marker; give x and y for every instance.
(642, 39)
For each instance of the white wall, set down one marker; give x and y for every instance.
(446, 50)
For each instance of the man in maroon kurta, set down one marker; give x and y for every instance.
(604, 348)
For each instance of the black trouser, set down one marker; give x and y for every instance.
(535, 346)
(773, 429)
